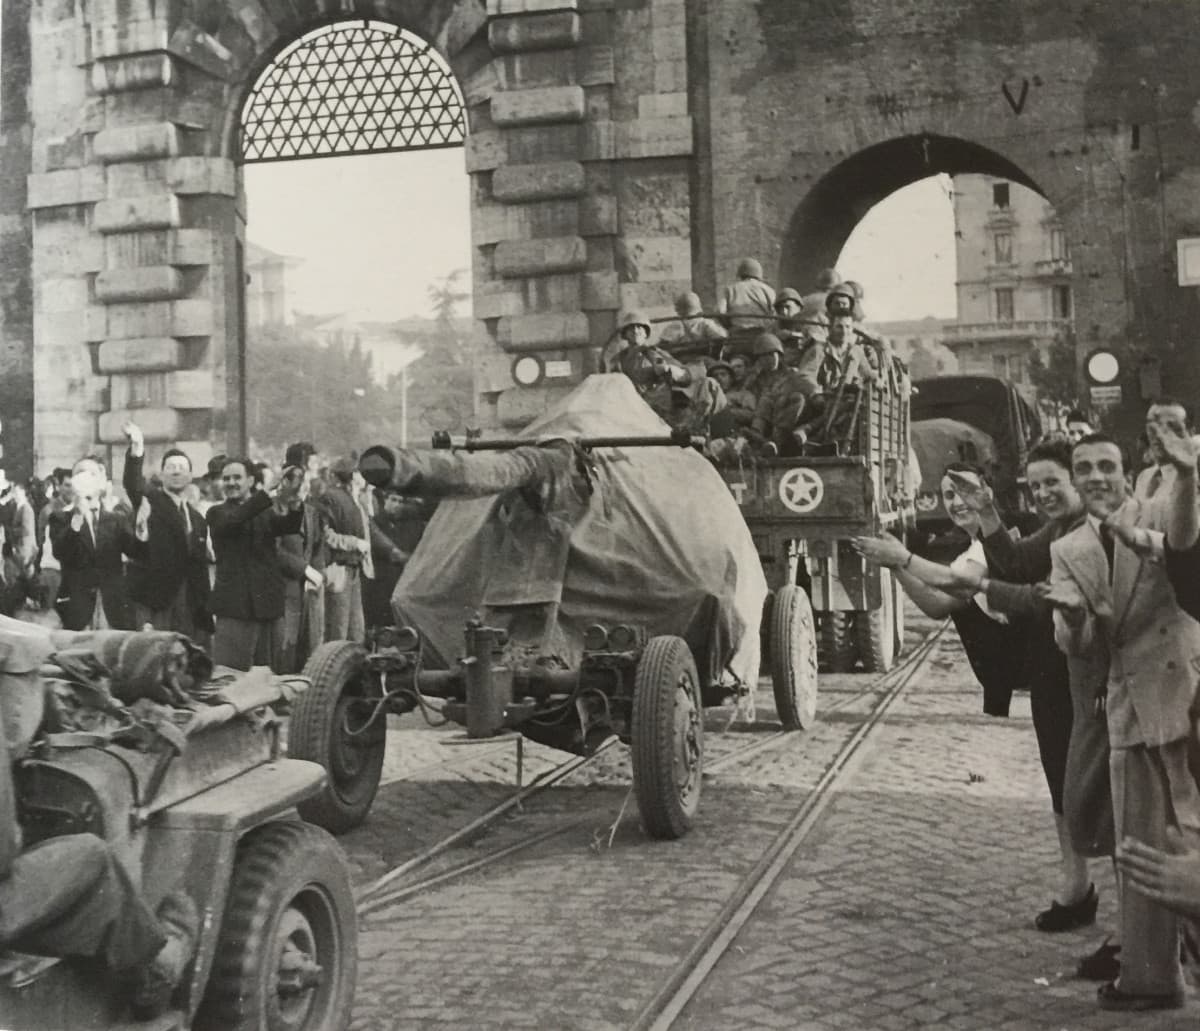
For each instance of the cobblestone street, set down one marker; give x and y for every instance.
(909, 903)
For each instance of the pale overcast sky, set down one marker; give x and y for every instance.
(375, 231)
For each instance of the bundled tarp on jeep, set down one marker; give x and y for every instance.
(648, 537)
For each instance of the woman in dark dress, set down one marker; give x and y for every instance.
(1023, 653)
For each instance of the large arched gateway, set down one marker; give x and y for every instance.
(619, 152)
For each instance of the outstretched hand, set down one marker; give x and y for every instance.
(978, 497)
(884, 550)
(1178, 446)
(1067, 601)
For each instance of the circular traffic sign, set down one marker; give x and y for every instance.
(1102, 366)
(801, 490)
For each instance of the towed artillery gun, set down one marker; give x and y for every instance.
(606, 583)
(206, 806)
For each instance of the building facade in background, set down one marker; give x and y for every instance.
(1014, 278)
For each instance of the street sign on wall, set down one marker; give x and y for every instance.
(1188, 259)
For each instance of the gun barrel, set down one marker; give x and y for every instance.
(442, 474)
(445, 442)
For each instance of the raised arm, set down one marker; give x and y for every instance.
(133, 478)
(227, 521)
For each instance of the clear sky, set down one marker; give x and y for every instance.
(903, 253)
(375, 231)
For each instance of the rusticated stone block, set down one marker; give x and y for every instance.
(160, 211)
(516, 183)
(136, 143)
(485, 150)
(544, 106)
(517, 407)
(500, 8)
(138, 71)
(158, 425)
(145, 283)
(551, 31)
(191, 388)
(541, 332)
(540, 257)
(595, 66)
(142, 354)
(190, 175)
(654, 138)
(497, 305)
(65, 187)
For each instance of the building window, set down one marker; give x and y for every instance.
(1004, 304)
(1003, 248)
(1016, 368)
(1061, 301)
(1058, 245)
(1000, 195)
(1000, 365)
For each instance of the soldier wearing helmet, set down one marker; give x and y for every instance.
(748, 304)
(792, 328)
(779, 390)
(693, 337)
(655, 374)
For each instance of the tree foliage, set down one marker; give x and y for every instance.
(314, 380)
(1054, 373)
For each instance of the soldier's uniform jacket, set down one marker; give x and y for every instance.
(823, 369)
(641, 364)
(745, 299)
(780, 405)
(693, 336)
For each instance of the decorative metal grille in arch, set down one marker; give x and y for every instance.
(353, 88)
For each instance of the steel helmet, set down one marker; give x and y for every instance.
(632, 318)
(788, 294)
(841, 300)
(828, 278)
(750, 268)
(859, 293)
(766, 343)
(687, 305)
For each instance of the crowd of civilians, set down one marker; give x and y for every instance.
(1096, 615)
(258, 563)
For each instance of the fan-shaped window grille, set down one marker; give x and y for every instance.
(352, 88)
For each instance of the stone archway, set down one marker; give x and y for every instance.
(828, 213)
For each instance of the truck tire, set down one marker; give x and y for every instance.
(286, 954)
(794, 658)
(318, 733)
(835, 642)
(899, 618)
(667, 737)
(875, 630)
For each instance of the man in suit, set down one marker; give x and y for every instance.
(90, 543)
(1107, 595)
(168, 584)
(247, 598)
(302, 558)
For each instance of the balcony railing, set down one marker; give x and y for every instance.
(963, 332)
(1053, 267)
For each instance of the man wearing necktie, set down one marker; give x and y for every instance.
(168, 577)
(1107, 594)
(90, 543)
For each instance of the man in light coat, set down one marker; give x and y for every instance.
(1107, 595)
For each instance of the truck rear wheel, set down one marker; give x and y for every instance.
(875, 629)
(323, 731)
(794, 658)
(667, 737)
(287, 952)
(835, 642)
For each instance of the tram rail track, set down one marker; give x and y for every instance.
(391, 888)
(689, 975)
